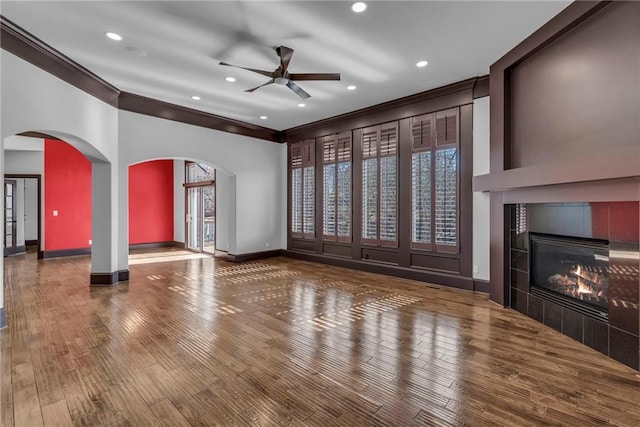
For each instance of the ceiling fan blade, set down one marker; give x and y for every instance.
(314, 76)
(258, 87)
(298, 90)
(263, 72)
(285, 54)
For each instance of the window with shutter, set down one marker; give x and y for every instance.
(302, 189)
(337, 187)
(434, 181)
(380, 185)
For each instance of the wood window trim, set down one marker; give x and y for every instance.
(369, 153)
(307, 160)
(331, 156)
(434, 145)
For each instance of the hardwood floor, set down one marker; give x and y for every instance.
(197, 341)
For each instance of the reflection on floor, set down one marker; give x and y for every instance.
(199, 341)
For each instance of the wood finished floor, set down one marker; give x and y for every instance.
(197, 341)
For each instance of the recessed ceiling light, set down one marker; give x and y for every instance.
(359, 7)
(301, 105)
(351, 87)
(421, 64)
(196, 98)
(263, 117)
(113, 36)
(230, 79)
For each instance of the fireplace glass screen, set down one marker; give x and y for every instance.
(575, 268)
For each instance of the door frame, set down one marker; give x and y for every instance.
(38, 177)
(200, 184)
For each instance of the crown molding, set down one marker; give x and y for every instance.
(25, 45)
(153, 107)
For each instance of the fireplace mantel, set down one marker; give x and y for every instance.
(621, 162)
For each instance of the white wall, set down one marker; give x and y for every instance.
(222, 210)
(254, 166)
(178, 201)
(481, 200)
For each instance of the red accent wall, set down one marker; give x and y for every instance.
(67, 189)
(151, 202)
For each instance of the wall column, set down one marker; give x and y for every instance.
(104, 228)
(3, 319)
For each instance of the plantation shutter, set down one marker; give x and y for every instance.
(344, 187)
(329, 214)
(380, 185)
(302, 189)
(446, 181)
(422, 143)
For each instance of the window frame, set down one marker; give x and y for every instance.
(307, 160)
(332, 147)
(439, 138)
(376, 153)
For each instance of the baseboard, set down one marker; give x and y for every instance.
(108, 279)
(15, 250)
(31, 243)
(432, 277)
(248, 257)
(3, 318)
(66, 252)
(481, 285)
(156, 245)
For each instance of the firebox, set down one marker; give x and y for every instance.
(570, 271)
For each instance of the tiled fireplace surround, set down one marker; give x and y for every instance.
(615, 222)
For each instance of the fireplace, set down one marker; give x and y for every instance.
(572, 272)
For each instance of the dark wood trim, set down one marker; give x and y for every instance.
(481, 87)
(3, 318)
(15, 250)
(66, 252)
(155, 108)
(156, 245)
(31, 243)
(432, 277)
(104, 279)
(198, 184)
(248, 257)
(480, 285)
(25, 45)
(38, 177)
(123, 276)
(442, 98)
(41, 135)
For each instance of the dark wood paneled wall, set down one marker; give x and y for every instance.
(403, 261)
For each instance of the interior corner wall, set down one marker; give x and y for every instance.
(481, 204)
(67, 197)
(151, 199)
(255, 168)
(178, 201)
(222, 211)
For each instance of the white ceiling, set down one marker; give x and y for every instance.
(375, 50)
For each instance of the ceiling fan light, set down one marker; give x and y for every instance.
(359, 7)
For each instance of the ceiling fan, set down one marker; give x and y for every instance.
(283, 77)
